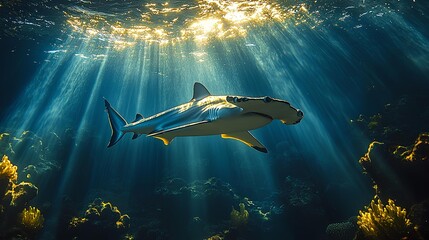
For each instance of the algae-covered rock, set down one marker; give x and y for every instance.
(241, 217)
(341, 231)
(395, 169)
(299, 192)
(15, 219)
(102, 220)
(397, 121)
(22, 193)
(419, 151)
(8, 175)
(419, 215)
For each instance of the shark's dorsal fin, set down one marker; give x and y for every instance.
(246, 138)
(200, 91)
(138, 117)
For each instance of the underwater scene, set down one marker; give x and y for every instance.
(214, 119)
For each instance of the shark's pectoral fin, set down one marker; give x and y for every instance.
(246, 138)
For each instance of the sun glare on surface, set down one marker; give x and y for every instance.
(166, 22)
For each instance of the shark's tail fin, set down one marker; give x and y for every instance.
(116, 123)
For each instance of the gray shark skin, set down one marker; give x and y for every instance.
(229, 116)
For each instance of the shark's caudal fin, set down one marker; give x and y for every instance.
(116, 123)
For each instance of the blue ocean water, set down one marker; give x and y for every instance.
(357, 69)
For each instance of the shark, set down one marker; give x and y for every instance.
(231, 117)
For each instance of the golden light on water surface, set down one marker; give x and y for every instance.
(166, 22)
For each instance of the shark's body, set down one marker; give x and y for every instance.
(229, 116)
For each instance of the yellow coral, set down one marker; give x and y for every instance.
(31, 218)
(123, 222)
(76, 221)
(8, 170)
(380, 221)
(215, 237)
(419, 151)
(366, 157)
(2, 135)
(239, 218)
(22, 193)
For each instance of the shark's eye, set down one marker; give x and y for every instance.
(229, 99)
(236, 99)
(267, 99)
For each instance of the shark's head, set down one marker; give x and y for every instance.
(269, 107)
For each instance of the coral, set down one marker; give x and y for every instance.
(102, 220)
(22, 193)
(299, 193)
(340, 231)
(5, 143)
(393, 124)
(394, 168)
(380, 221)
(215, 237)
(374, 121)
(123, 222)
(31, 218)
(42, 154)
(8, 175)
(76, 221)
(8, 170)
(417, 152)
(419, 214)
(175, 194)
(16, 220)
(239, 218)
(366, 157)
(213, 187)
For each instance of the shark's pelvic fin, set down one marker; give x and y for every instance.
(164, 139)
(116, 122)
(156, 133)
(200, 91)
(246, 138)
(138, 118)
(136, 135)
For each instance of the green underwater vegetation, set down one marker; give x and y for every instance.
(239, 217)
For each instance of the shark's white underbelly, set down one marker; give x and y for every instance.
(245, 122)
